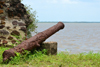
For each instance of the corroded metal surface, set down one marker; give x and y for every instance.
(32, 42)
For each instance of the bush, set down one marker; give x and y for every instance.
(32, 26)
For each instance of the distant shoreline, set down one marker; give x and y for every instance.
(68, 22)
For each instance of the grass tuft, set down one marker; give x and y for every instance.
(40, 59)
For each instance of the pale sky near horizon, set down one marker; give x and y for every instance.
(66, 10)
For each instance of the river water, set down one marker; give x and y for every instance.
(75, 37)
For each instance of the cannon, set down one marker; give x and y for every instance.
(32, 42)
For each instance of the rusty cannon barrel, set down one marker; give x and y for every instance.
(32, 42)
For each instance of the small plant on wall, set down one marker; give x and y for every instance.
(32, 26)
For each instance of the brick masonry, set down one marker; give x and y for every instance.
(13, 22)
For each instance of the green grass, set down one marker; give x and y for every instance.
(39, 59)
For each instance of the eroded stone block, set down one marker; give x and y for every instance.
(51, 47)
(4, 32)
(14, 22)
(15, 33)
(23, 29)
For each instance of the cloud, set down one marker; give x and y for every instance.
(69, 1)
(62, 1)
(52, 1)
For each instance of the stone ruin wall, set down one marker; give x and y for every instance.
(13, 22)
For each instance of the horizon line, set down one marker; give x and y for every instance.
(69, 21)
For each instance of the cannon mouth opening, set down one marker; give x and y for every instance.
(62, 25)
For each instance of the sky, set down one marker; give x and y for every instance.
(66, 10)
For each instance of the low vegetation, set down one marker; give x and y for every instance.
(40, 59)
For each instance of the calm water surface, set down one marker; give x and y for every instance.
(75, 37)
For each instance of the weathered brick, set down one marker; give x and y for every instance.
(4, 32)
(13, 12)
(1, 6)
(4, 42)
(19, 15)
(13, 41)
(21, 24)
(2, 37)
(15, 33)
(23, 29)
(1, 2)
(2, 26)
(14, 22)
(8, 27)
(1, 11)
(3, 18)
(10, 38)
(2, 22)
